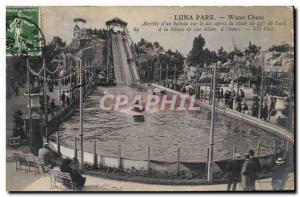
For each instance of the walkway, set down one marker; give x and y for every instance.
(18, 181)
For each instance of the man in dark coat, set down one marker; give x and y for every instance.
(227, 97)
(233, 170)
(63, 98)
(257, 166)
(52, 107)
(242, 94)
(279, 175)
(256, 160)
(272, 110)
(248, 174)
(76, 177)
(264, 111)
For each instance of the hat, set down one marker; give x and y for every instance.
(251, 152)
(279, 160)
(237, 155)
(45, 144)
(247, 155)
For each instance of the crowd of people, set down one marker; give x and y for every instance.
(231, 99)
(52, 106)
(246, 173)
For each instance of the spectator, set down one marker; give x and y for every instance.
(221, 94)
(233, 170)
(41, 101)
(227, 98)
(52, 107)
(248, 174)
(257, 166)
(245, 108)
(46, 157)
(183, 90)
(279, 175)
(218, 94)
(16, 89)
(201, 94)
(76, 177)
(239, 106)
(242, 94)
(67, 100)
(264, 111)
(231, 102)
(63, 98)
(272, 110)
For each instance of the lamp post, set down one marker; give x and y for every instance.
(45, 101)
(80, 105)
(211, 149)
(159, 72)
(261, 94)
(262, 60)
(29, 95)
(175, 68)
(80, 111)
(167, 73)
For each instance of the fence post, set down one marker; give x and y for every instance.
(95, 155)
(178, 161)
(148, 166)
(234, 151)
(274, 148)
(286, 156)
(205, 92)
(75, 147)
(120, 164)
(207, 159)
(58, 142)
(258, 148)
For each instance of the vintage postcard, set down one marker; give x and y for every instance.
(150, 99)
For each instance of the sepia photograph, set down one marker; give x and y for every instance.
(150, 99)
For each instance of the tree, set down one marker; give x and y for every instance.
(236, 52)
(196, 56)
(153, 59)
(222, 55)
(252, 49)
(281, 48)
(52, 49)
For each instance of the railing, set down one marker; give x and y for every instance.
(179, 165)
(131, 54)
(67, 111)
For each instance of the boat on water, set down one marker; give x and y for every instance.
(136, 113)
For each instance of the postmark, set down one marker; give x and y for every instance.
(23, 32)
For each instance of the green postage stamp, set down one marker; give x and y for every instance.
(23, 35)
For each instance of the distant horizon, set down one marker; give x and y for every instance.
(185, 55)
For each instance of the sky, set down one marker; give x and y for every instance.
(58, 21)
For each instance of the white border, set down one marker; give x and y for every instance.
(296, 3)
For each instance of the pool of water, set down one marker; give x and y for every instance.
(163, 131)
